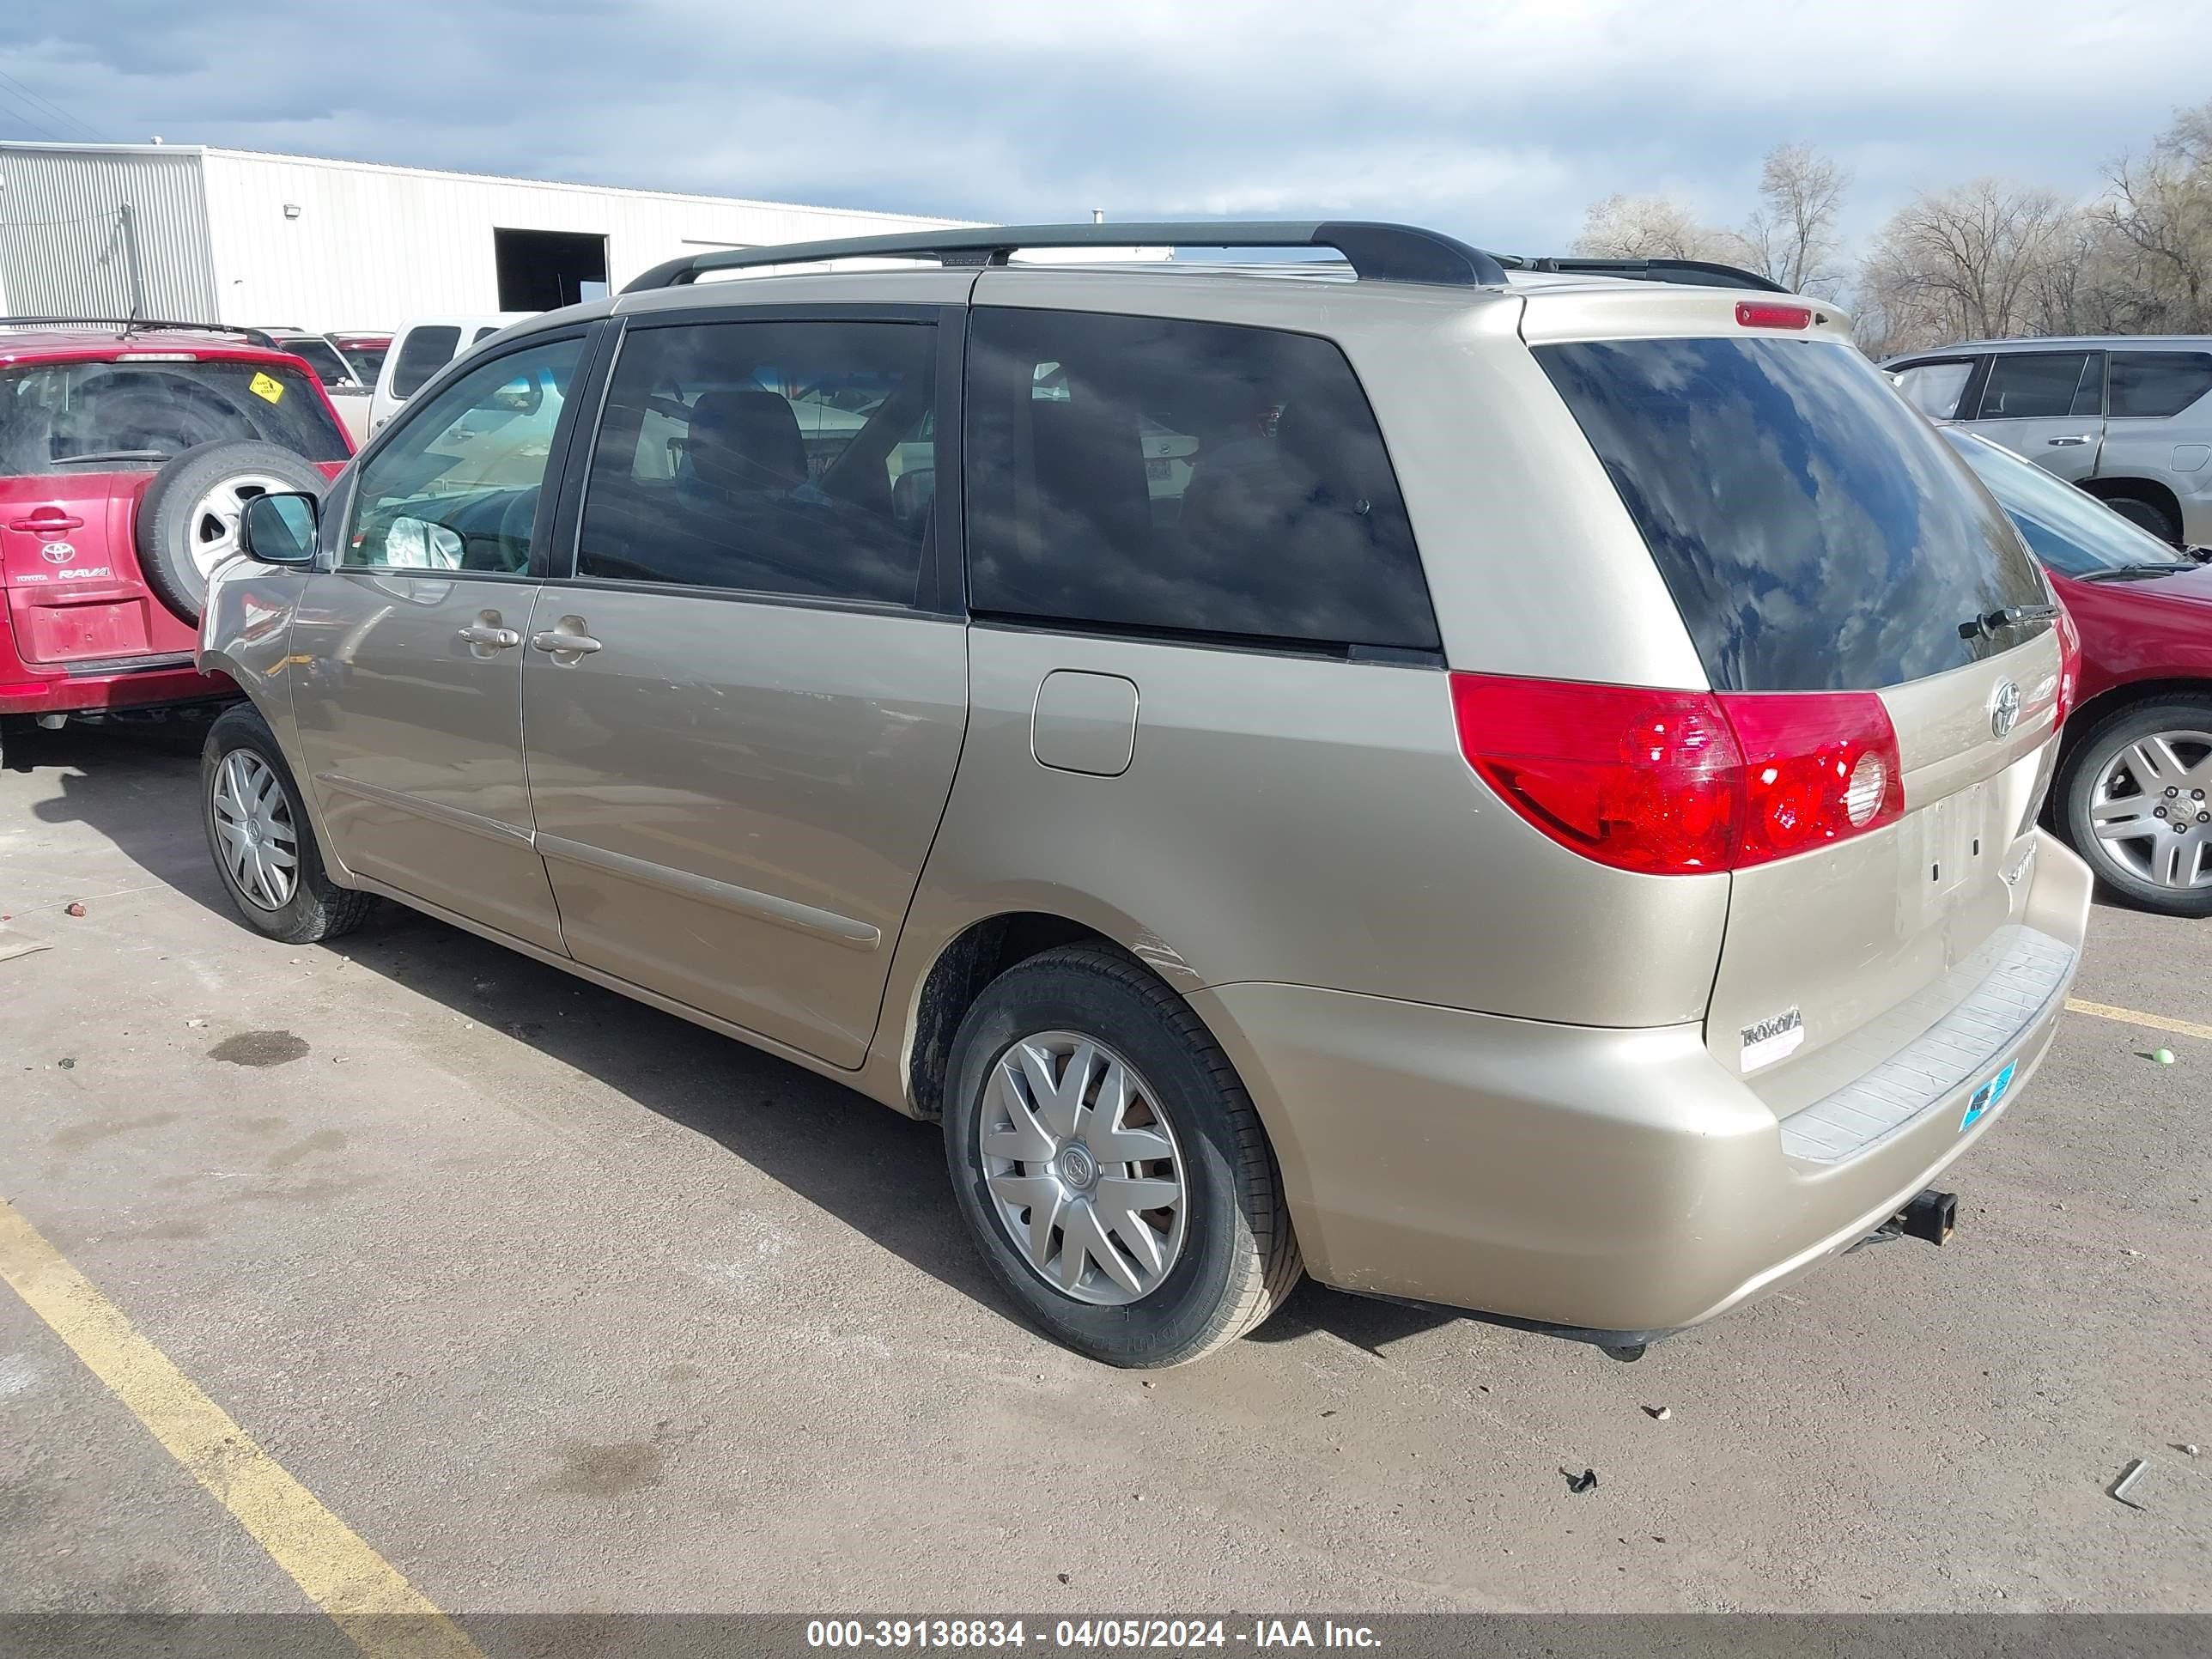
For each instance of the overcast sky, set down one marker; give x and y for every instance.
(1499, 122)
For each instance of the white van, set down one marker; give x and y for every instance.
(424, 347)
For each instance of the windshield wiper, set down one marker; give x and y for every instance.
(2113, 573)
(112, 455)
(2010, 616)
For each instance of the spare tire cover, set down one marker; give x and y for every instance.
(188, 519)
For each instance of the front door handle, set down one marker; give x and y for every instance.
(568, 640)
(499, 639)
(2067, 443)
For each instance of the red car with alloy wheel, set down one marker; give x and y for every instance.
(2133, 790)
(127, 453)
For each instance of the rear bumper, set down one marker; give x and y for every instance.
(1615, 1183)
(44, 689)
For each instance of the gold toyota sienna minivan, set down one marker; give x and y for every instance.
(1490, 783)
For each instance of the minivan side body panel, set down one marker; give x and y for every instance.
(1289, 819)
(734, 798)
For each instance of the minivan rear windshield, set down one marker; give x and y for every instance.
(1815, 533)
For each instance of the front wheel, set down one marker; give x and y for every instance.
(2137, 804)
(262, 843)
(1110, 1164)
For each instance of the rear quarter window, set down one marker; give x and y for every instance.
(2155, 385)
(1816, 534)
(1181, 478)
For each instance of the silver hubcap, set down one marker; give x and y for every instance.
(1083, 1168)
(216, 520)
(253, 826)
(2151, 810)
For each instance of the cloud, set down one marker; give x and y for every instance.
(1499, 122)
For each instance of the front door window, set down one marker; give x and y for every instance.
(458, 487)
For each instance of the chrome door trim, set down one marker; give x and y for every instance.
(474, 823)
(766, 907)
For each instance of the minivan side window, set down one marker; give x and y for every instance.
(456, 486)
(787, 457)
(2157, 384)
(2040, 385)
(1188, 477)
(422, 354)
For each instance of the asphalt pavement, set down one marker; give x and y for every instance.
(559, 1303)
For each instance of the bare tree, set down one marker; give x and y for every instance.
(1652, 228)
(2160, 206)
(1979, 259)
(1792, 235)
(1969, 262)
(2091, 283)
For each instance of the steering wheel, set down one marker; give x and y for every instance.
(516, 521)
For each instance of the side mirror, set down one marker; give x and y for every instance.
(280, 529)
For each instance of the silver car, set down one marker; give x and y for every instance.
(2129, 418)
(1535, 813)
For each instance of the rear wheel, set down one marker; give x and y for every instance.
(2137, 804)
(259, 833)
(2148, 514)
(1111, 1165)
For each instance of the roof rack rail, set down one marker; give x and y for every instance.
(1696, 273)
(137, 325)
(1377, 252)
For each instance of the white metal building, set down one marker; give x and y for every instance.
(189, 233)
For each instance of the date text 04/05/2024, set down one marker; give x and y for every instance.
(1084, 1634)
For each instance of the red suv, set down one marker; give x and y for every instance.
(127, 453)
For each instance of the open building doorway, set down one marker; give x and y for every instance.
(545, 269)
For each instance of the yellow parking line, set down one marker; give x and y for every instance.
(2131, 1017)
(384, 1616)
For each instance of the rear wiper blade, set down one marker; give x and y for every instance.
(2010, 616)
(2148, 569)
(113, 455)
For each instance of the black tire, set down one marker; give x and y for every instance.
(318, 908)
(2147, 515)
(170, 521)
(1238, 1258)
(2090, 758)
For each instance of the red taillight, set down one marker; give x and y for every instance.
(1763, 314)
(1818, 766)
(2069, 663)
(1639, 779)
(1681, 782)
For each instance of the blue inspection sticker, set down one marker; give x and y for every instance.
(1983, 1098)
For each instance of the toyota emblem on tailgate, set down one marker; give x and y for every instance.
(2004, 706)
(57, 552)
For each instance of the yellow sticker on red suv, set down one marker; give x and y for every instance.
(266, 386)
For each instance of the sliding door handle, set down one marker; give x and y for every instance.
(565, 642)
